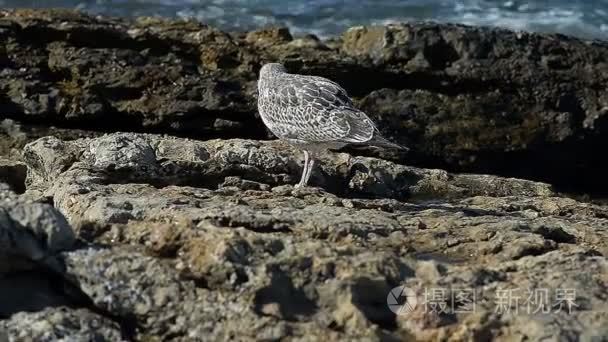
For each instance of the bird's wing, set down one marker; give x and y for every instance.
(323, 91)
(360, 128)
(322, 111)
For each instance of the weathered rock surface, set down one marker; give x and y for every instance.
(14, 136)
(143, 237)
(59, 324)
(32, 292)
(207, 240)
(468, 99)
(31, 233)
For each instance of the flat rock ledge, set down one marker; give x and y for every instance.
(153, 238)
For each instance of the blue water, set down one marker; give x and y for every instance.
(582, 18)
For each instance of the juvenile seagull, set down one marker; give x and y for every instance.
(313, 114)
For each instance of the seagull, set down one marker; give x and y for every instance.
(312, 114)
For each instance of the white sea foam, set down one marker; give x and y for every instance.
(584, 18)
(568, 20)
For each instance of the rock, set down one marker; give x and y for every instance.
(456, 94)
(154, 237)
(38, 301)
(55, 324)
(128, 283)
(31, 233)
(120, 158)
(525, 293)
(269, 37)
(13, 139)
(210, 239)
(159, 74)
(463, 98)
(14, 135)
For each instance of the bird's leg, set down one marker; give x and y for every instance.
(311, 164)
(305, 167)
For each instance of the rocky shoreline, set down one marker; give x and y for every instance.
(141, 198)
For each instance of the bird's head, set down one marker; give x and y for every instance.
(272, 68)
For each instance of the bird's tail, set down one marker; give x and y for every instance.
(379, 141)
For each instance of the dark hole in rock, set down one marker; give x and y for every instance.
(13, 174)
(281, 298)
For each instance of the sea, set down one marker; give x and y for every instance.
(586, 19)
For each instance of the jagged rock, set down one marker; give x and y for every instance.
(59, 324)
(269, 37)
(12, 139)
(525, 293)
(163, 161)
(474, 99)
(14, 136)
(38, 301)
(31, 233)
(490, 100)
(154, 74)
(206, 240)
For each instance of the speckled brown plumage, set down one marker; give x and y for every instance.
(312, 113)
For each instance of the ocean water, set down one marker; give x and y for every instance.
(581, 18)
